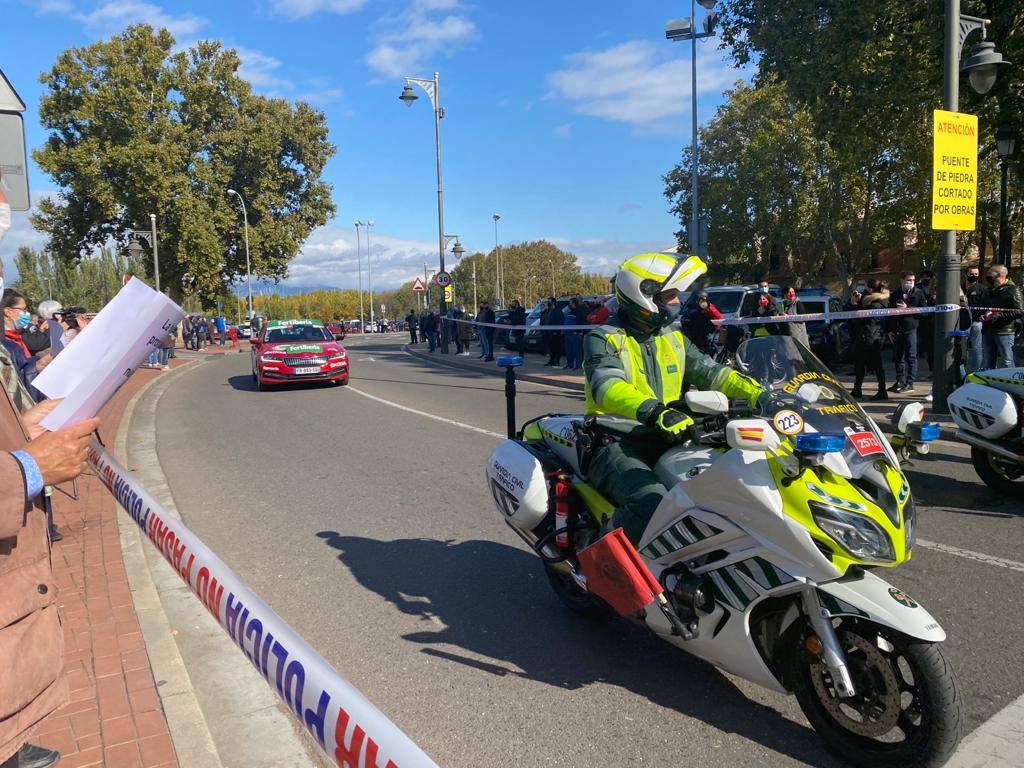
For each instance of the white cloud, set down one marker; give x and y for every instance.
(328, 258)
(116, 14)
(21, 233)
(564, 131)
(300, 9)
(423, 30)
(639, 82)
(259, 69)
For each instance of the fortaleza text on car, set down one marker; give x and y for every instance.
(297, 350)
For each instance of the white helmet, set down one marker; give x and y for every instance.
(47, 309)
(642, 279)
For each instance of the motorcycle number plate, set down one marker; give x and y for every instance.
(865, 443)
(788, 422)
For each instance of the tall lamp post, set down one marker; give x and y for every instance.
(1006, 138)
(497, 264)
(457, 251)
(369, 268)
(981, 68)
(686, 29)
(248, 265)
(432, 89)
(359, 268)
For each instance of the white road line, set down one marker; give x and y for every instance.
(454, 423)
(997, 743)
(981, 557)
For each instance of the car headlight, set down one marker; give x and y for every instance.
(858, 535)
(269, 359)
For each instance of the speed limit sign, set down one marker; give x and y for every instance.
(443, 279)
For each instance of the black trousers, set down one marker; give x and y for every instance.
(412, 336)
(554, 347)
(866, 357)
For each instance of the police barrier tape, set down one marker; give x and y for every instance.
(350, 730)
(852, 314)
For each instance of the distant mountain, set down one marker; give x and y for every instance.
(269, 288)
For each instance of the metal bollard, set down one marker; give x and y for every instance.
(510, 363)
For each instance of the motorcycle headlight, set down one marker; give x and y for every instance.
(858, 535)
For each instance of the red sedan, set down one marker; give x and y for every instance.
(297, 350)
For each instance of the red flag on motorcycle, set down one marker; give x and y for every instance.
(616, 573)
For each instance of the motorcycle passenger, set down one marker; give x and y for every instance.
(998, 328)
(635, 367)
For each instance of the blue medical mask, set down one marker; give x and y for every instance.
(908, 285)
(23, 321)
(764, 289)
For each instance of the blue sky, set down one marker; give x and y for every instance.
(562, 117)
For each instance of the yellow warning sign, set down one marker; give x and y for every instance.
(448, 293)
(954, 170)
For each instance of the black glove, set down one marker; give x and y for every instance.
(677, 426)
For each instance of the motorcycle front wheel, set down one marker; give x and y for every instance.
(908, 709)
(998, 473)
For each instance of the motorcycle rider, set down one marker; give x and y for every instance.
(635, 367)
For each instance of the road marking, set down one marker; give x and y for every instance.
(997, 743)
(454, 423)
(980, 557)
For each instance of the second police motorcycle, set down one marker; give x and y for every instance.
(763, 558)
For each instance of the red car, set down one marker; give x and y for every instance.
(297, 350)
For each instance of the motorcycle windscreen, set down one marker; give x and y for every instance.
(616, 573)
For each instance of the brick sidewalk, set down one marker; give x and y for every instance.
(114, 717)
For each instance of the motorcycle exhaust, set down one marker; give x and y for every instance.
(988, 445)
(553, 557)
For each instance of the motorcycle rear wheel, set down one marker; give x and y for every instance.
(574, 598)
(908, 710)
(998, 474)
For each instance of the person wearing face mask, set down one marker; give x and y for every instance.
(904, 328)
(998, 329)
(16, 321)
(791, 306)
(636, 366)
(867, 336)
(700, 326)
(974, 291)
(766, 307)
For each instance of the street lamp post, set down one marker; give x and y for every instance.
(359, 269)
(497, 264)
(369, 268)
(432, 89)
(981, 68)
(156, 258)
(1006, 137)
(686, 29)
(248, 265)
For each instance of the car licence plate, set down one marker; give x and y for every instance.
(314, 369)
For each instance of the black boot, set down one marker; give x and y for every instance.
(32, 756)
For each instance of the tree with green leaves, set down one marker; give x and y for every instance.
(138, 127)
(89, 282)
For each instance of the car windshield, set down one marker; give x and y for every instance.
(292, 333)
(807, 397)
(727, 302)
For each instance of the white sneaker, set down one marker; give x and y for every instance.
(928, 397)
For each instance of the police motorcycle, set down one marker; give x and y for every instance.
(989, 413)
(766, 550)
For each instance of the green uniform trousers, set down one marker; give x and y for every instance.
(622, 472)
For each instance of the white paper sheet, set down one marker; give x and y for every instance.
(103, 356)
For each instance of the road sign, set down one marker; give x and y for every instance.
(443, 279)
(448, 293)
(954, 170)
(10, 101)
(418, 286)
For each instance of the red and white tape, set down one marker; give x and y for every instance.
(349, 729)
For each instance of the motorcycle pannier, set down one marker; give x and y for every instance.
(986, 411)
(516, 479)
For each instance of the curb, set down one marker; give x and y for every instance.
(219, 704)
(945, 433)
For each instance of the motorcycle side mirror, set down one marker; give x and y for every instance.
(711, 402)
(752, 435)
(809, 392)
(907, 414)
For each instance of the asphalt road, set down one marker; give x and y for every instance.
(368, 528)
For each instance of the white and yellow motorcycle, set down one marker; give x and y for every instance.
(766, 548)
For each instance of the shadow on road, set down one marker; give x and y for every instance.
(246, 384)
(493, 600)
(962, 498)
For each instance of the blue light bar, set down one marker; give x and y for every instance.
(928, 431)
(822, 442)
(510, 361)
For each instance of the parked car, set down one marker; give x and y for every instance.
(731, 300)
(830, 340)
(534, 341)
